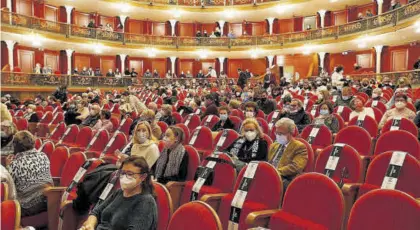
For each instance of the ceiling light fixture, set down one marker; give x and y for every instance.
(282, 8)
(203, 54)
(176, 13)
(229, 13)
(151, 52)
(256, 52)
(124, 7)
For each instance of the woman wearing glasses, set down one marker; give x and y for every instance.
(131, 207)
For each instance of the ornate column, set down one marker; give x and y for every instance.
(270, 25)
(69, 53)
(10, 46)
(378, 50)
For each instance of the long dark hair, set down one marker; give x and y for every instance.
(147, 185)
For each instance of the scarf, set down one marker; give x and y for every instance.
(173, 164)
(137, 148)
(248, 153)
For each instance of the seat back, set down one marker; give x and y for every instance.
(46, 118)
(377, 104)
(71, 167)
(164, 205)
(237, 113)
(400, 124)
(38, 143)
(83, 137)
(118, 143)
(58, 117)
(397, 211)
(343, 111)
(125, 126)
(201, 138)
(311, 155)
(193, 161)
(57, 160)
(70, 135)
(99, 141)
(192, 121)
(229, 136)
(22, 124)
(210, 121)
(407, 178)
(47, 148)
(363, 142)
(398, 140)
(267, 177)
(267, 139)
(162, 125)
(324, 205)
(178, 117)
(115, 123)
(58, 132)
(366, 122)
(10, 215)
(321, 140)
(378, 114)
(341, 123)
(186, 132)
(264, 125)
(223, 180)
(195, 215)
(237, 121)
(349, 161)
(4, 191)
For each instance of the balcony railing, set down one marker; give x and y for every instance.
(388, 19)
(412, 75)
(206, 3)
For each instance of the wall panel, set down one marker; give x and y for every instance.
(258, 29)
(186, 29)
(106, 64)
(305, 65)
(399, 60)
(205, 64)
(364, 60)
(158, 29)
(160, 66)
(81, 19)
(285, 26)
(81, 61)
(135, 26)
(25, 7)
(26, 60)
(186, 65)
(138, 66)
(104, 20)
(236, 28)
(51, 60)
(51, 13)
(339, 17)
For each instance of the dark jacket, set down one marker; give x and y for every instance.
(301, 119)
(341, 102)
(60, 94)
(267, 105)
(169, 120)
(228, 124)
(211, 110)
(368, 90)
(242, 80)
(70, 117)
(91, 120)
(244, 153)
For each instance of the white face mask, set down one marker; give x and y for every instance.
(29, 110)
(223, 117)
(281, 139)
(127, 183)
(399, 105)
(141, 137)
(374, 95)
(249, 114)
(250, 135)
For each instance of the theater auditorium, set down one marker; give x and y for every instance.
(210, 114)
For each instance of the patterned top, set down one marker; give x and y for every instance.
(393, 113)
(31, 172)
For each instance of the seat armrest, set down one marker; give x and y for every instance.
(317, 152)
(259, 218)
(350, 191)
(53, 195)
(175, 188)
(350, 188)
(71, 220)
(56, 181)
(213, 199)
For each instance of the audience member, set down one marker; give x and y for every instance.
(358, 109)
(8, 130)
(104, 122)
(297, 114)
(288, 155)
(265, 104)
(30, 170)
(224, 122)
(400, 110)
(326, 117)
(30, 114)
(166, 115)
(93, 117)
(172, 164)
(131, 207)
(345, 98)
(5, 114)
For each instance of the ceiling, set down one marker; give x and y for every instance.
(284, 9)
(399, 37)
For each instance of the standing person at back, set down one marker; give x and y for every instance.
(242, 79)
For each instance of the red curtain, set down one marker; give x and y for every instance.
(62, 60)
(298, 24)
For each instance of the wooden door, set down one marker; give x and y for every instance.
(26, 59)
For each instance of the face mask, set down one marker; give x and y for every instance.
(324, 112)
(141, 137)
(250, 135)
(93, 113)
(127, 183)
(238, 94)
(345, 98)
(167, 142)
(249, 114)
(294, 111)
(281, 139)
(223, 117)
(30, 110)
(399, 105)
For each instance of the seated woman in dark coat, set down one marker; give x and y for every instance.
(250, 146)
(224, 122)
(30, 114)
(166, 115)
(297, 114)
(172, 164)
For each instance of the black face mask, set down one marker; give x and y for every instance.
(365, 85)
(6, 140)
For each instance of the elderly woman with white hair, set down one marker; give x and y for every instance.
(251, 145)
(288, 155)
(8, 130)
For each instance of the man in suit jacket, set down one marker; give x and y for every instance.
(288, 155)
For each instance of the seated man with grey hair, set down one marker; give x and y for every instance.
(8, 130)
(288, 155)
(93, 117)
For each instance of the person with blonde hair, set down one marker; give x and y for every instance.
(251, 145)
(234, 104)
(149, 116)
(166, 115)
(8, 130)
(143, 144)
(30, 114)
(5, 114)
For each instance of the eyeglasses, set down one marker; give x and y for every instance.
(129, 174)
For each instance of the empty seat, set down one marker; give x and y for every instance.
(115, 123)
(343, 111)
(47, 148)
(57, 160)
(117, 141)
(195, 215)
(398, 140)
(192, 121)
(210, 121)
(257, 175)
(70, 135)
(57, 132)
(400, 124)
(221, 180)
(125, 126)
(357, 138)
(177, 117)
(237, 121)
(237, 113)
(318, 136)
(366, 122)
(81, 140)
(311, 156)
(96, 144)
(385, 210)
(321, 208)
(377, 104)
(162, 125)
(202, 139)
(224, 139)
(347, 169)
(22, 124)
(164, 206)
(10, 215)
(263, 124)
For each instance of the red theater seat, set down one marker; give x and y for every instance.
(57, 160)
(385, 210)
(321, 140)
(362, 143)
(369, 124)
(378, 104)
(81, 140)
(125, 126)
(210, 121)
(378, 114)
(403, 124)
(58, 132)
(311, 156)
(263, 124)
(257, 199)
(231, 136)
(115, 123)
(4, 193)
(321, 208)
(177, 117)
(237, 113)
(237, 121)
(38, 143)
(343, 111)
(223, 180)
(195, 215)
(48, 148)
(70, 135)
(22, 124)
(164, 205)
(118, 141)
(186, 132)
(10, 215)
(398, 140)
(192, 121)
(202, 139)
(163, 126)
(96, 144)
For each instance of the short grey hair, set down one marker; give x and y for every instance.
(299, 102)
(286, 122)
